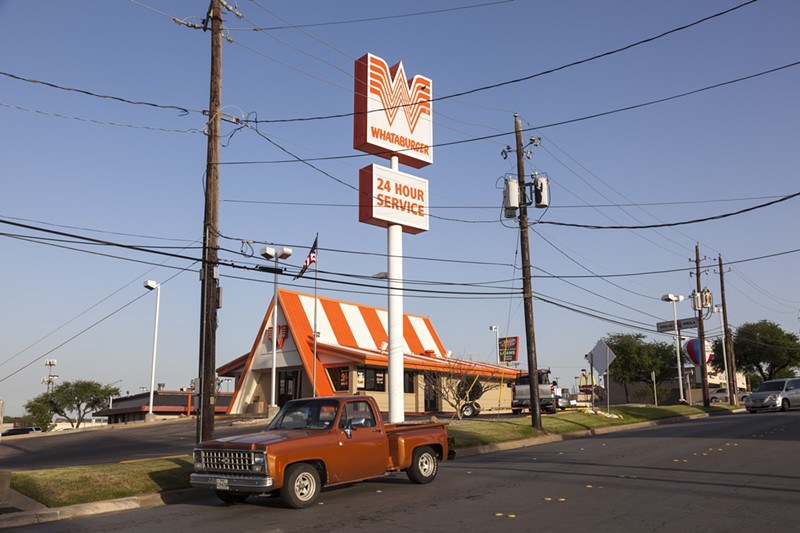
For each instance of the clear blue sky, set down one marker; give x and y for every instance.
(68, 167)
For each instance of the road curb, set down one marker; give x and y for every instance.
(545, 439)
(27, 518)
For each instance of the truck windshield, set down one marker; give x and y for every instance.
(306, 414)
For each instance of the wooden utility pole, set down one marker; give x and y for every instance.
(209, 273)
(701, 334)
(527, 291)
(733, 388)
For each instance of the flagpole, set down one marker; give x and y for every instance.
(316, 272)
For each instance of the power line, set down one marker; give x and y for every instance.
(541, 73)
(371, 19)
(537, 127)
(184, 110)
(671, 224)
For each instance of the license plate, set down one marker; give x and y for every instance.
(222, 484)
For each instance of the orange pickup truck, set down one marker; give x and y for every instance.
(316, 442)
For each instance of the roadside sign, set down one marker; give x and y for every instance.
(601, 357)
(683, 323)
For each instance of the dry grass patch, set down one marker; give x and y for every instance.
(57, 487)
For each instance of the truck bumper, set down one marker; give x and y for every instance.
(231, 483)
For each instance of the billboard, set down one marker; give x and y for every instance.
(387, 197)
(508, 349)
(393, 116)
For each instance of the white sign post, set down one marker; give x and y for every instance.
(392, 119)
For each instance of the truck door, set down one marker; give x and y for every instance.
(366, 452)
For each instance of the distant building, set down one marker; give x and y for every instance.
(166, 404)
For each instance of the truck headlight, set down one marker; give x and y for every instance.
(197, 458)
(259, 462)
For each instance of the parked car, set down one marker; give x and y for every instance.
(721, 395)
(20, 431)
(564, 403)
(774, 394)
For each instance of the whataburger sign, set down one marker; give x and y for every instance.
(392, 118)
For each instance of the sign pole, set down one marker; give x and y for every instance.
(395, 333)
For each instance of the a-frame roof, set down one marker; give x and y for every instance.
(357, 333)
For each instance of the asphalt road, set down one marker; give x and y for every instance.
(727, 473)
(108, 445)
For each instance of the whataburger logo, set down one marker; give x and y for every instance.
(382, 93)
(391, 88)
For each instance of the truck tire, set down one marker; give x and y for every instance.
(231, 497)
(516, 411)
(424, 465)
(301, 486)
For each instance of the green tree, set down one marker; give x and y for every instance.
(38, 414)
(73, 400)
(637, 360)
(764, 349)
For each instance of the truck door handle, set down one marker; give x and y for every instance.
(377, 431)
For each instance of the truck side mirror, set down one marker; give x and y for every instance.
(352, 424)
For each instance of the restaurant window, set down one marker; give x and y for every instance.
(372, 379)
(340, 376)
(409, 379)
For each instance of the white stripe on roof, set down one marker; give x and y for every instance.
(424, 334)
(324, 327)
(358, 326)
(383, 315)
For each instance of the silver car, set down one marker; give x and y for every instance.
(774, 394)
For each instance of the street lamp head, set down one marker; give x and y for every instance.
(268, 252)
(492, 328)
(150, 285)
(672, 298)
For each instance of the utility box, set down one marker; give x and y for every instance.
(511, 198)
(541, 191)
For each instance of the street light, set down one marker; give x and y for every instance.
(150, 285)
(496, 341)
(269, 253)
(675, 299)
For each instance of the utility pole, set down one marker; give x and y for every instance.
(733, 388)
(209, 273)
(527, 292)
(701, 334)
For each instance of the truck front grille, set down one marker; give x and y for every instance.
(227, 461)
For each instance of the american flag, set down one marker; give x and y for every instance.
(312, 258)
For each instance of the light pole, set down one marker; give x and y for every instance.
(275, 254)
(675, 299)
(150, 285)
(496, 342)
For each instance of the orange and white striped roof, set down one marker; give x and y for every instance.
(354, 325)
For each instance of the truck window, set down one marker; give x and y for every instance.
(357, 409)
(310, 414)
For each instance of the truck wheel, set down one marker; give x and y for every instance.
(231, 497)
(301, 486)
(424, 465)
(516, 411)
